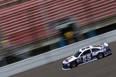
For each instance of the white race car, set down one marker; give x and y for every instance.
(85, 55)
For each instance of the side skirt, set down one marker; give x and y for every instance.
(88, 61)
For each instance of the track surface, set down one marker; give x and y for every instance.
(105, 67)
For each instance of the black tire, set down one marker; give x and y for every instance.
(73, 64)
(100, 55)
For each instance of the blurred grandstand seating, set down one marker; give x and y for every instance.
(29, 22)
(5, 2)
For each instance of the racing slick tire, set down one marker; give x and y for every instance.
(73, 64)
(100, 55)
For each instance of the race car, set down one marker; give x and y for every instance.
(85, 55)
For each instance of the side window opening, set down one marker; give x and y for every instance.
(95, 49)
(86, 52)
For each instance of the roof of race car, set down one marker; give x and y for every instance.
(85, 48)
(89, 47)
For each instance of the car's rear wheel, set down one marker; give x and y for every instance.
(100, 55)
(73, 64)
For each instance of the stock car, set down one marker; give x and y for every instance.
(85, 55)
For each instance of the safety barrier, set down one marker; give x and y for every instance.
(55, 54)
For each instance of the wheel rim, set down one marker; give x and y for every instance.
(100, 56)
(73, 65)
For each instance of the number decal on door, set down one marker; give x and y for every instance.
(86, 57)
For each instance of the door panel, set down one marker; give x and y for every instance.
(86, 56)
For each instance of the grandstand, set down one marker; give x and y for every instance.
(32, 27)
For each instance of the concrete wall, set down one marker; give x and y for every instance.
(54, 55)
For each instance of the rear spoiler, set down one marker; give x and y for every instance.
(105, 44)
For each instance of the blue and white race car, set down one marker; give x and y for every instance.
(85, 55)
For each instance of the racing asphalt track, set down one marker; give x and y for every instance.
(105, 67)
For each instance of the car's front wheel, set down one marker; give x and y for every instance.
(73, 64)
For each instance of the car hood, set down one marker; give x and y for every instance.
(69, 59)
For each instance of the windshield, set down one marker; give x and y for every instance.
(77, 54)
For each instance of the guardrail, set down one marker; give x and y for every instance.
(55, 54)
